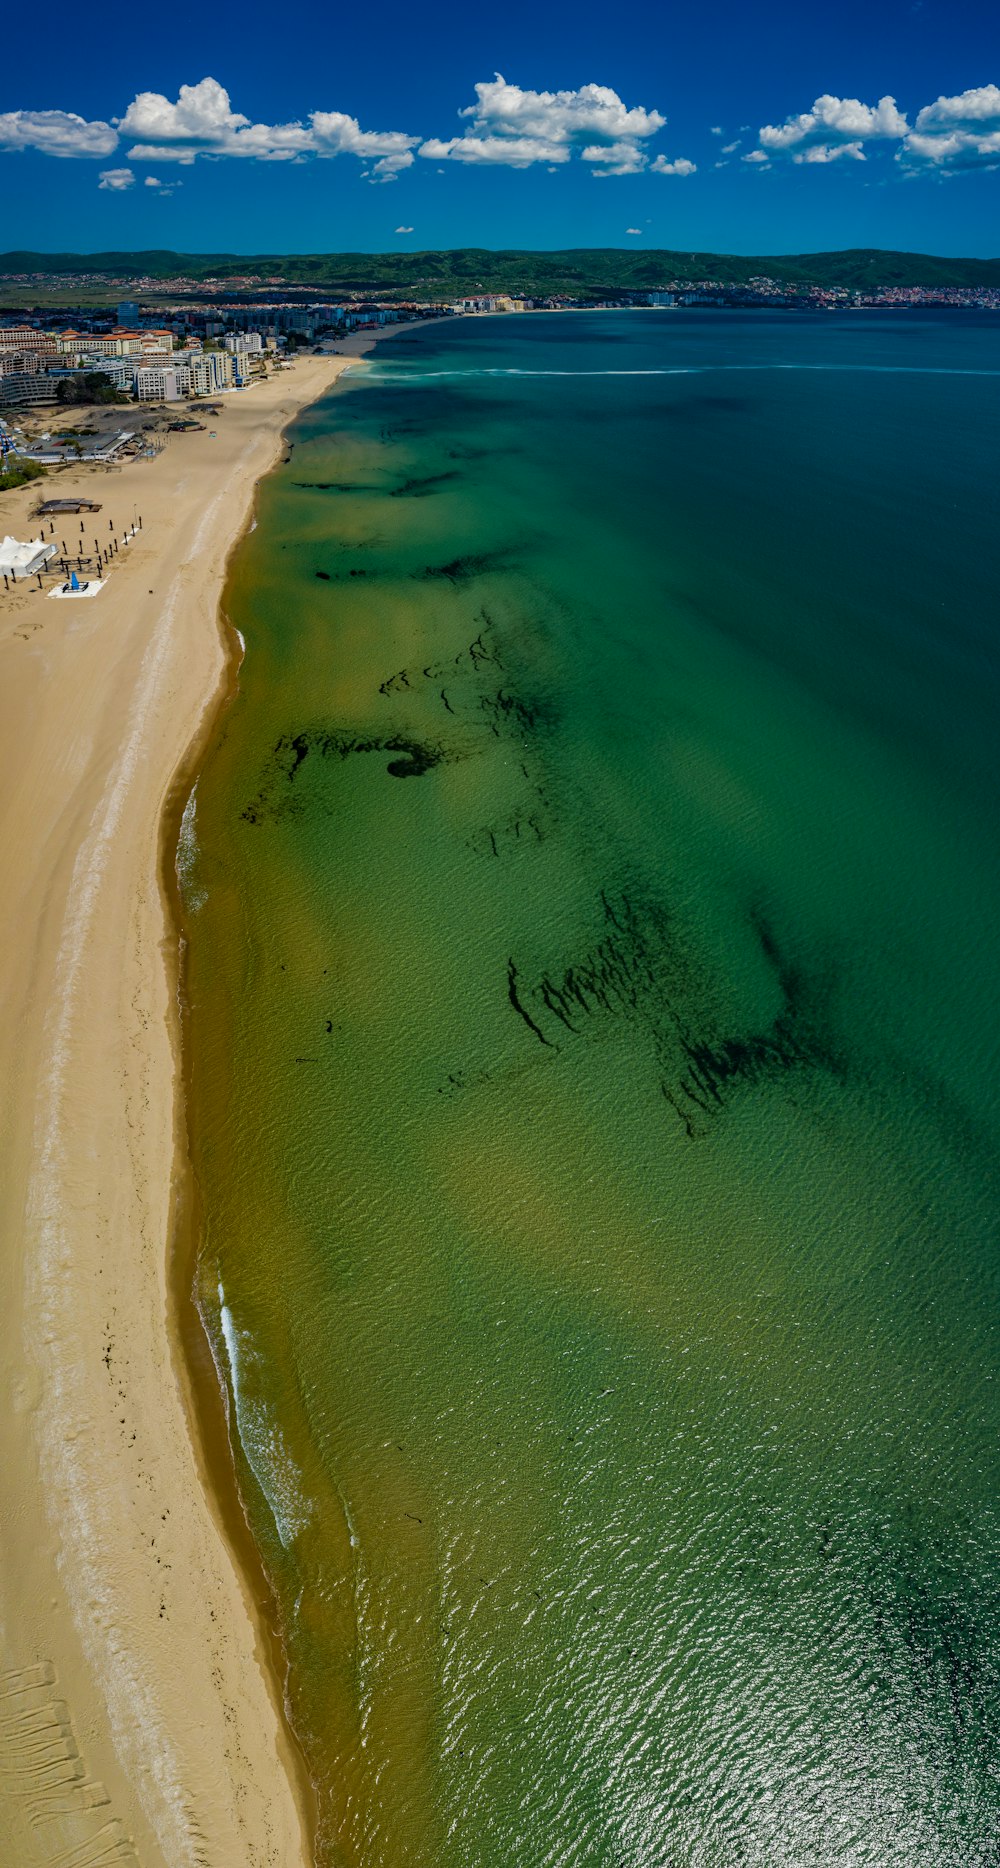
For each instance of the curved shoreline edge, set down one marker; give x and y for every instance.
(131, 1624)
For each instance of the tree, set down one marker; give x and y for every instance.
(88, 386)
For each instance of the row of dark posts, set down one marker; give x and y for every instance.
(102, 558)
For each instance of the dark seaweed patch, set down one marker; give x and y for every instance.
(422, 487)
(473, 564)
(336, 486)
(416, 757)
(505, 711)
(638, 971)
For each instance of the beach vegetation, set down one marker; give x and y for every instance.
(20, 474)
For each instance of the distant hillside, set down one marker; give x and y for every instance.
(577, 272)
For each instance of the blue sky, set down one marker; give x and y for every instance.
(772, 128)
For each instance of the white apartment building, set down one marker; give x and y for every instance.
(244, 340)
(211, 370)
(156, 384)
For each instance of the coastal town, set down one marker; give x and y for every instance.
(205, 338)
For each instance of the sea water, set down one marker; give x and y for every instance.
(592, 922)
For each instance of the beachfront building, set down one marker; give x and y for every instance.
(157, 383)
(211, 371)
(244, 340)
(26, 388)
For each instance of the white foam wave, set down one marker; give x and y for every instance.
(186, 859)
(272, 1465)
(698, 369)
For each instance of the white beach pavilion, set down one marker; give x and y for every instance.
(23, 560)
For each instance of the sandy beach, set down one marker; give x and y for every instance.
(140, 1721)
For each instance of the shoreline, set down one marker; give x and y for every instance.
(131, 1623)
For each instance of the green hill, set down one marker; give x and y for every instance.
(576, 272)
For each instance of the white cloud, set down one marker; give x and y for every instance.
(336, 134)
(970, 110)
(716, 130)
(404, 229)
(728, 148)
(388, 167)
(679, 167)
(516, 128)
(515, 152)
(758, 156)
(615, 158)
(202, 114)
(833, 123)
(116, 179)
(830, 152)
(203, 123)
(56, 133)
(633, 230)
(955, 133)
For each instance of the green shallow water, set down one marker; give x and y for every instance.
(592, 962)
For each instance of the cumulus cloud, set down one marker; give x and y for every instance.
(615, 158)
(404, 229)
(727, 148)
(203, 123)
(716, 130)
(831, 152)
(516, 128)
(834, 126)
(961, 132)
(633, 230)
(116, 179)
(202, 114)
(56, 133)
(681, 166)
(515, 152)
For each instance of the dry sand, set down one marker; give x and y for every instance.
(139, 1718)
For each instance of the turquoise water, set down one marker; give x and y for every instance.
(592, 917)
